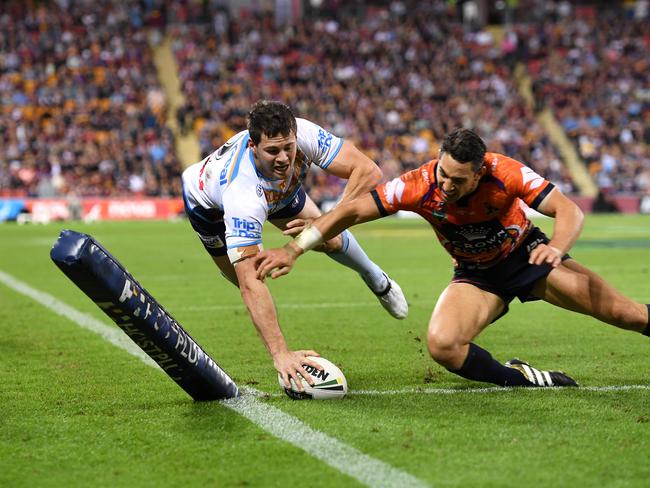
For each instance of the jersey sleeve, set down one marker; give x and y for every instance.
(527, 185)
(406, 192)
(244, 217)
(319, 145)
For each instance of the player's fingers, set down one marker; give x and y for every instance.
(306, 375)
(285, 379)
(310, 362)
(263, 269)
(313, 364)
(295, 222)
(308, 352)
(293, 232)
(296, 376)
(281, 271)
(257, 260)
(534, 255)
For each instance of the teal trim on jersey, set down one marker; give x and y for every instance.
(258, 241)
(333, 155)
(242, 150)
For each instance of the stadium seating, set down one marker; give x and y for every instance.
(82, 111)
(84, 114)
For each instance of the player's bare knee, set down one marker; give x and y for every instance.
(444, 348)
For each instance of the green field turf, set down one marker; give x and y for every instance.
(77, 411)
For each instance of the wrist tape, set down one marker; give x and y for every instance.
(309, 238)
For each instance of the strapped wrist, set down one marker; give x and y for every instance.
(309, 238)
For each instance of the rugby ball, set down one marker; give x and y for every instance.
(329, 383)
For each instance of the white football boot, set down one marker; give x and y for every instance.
(393, 300)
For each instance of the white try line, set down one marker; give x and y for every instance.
(490, 389)
(346, 459)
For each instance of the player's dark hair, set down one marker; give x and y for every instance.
(465, 146)
(271, 119)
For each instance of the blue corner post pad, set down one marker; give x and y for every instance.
(107, 283)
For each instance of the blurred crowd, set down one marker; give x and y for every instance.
(592, 67)
(393, 81)
(83, 112)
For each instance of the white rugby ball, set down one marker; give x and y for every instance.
(329, 383)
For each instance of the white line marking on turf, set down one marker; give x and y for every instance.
(491, 389)
(346, 459)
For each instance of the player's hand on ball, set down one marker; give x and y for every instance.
(545, 254)
(290, 367)
(296, 226)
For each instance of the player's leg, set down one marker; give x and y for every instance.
(462, 312)
(575, 287)
(345, 250)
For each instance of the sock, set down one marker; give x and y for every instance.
(352, 256)
(481, 366)
(646, 332)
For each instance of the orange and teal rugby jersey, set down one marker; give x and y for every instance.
(481, 228)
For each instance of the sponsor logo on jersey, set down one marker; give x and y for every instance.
(246, 228)
(324, 140)
(476, 238)
(259, 190)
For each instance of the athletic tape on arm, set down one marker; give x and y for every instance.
(309, 238)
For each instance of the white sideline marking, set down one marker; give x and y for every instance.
(346, 459)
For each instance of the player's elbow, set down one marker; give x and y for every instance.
(368, 174)
(577, 216)
(375, 174)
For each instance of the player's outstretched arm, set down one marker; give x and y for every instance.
(259, 303)
(278, 262)
(361, 172)
(566, 229)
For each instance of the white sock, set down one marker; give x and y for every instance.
(352, 256)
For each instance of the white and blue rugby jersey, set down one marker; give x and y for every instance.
(228, 180)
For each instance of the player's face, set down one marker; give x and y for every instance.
(274, 156)
(455, 179)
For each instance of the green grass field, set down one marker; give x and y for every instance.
(77, 411)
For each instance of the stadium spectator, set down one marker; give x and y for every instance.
(82, 107)
(393, 80)
(472, 200)
(592, 70)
